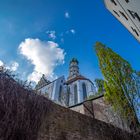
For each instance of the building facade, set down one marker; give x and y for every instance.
(128, 13)
(74, 90)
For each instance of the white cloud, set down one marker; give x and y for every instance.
(51, 34)
(1, 63)
(14, 66)
(72, 31)
(67, 15)
(44, 55)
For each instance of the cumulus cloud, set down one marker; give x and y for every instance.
(13, 66)
(51, 34)
(44, 56)
(67, 15)
(1, 63)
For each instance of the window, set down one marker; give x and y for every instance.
(113, 1)
(124, 15)
(68, 97)
(134, 15)
(84, 91)
(75, 95)
(134, 30)
(60, 94)
(91, 88)
(116, 13)
(127, 1)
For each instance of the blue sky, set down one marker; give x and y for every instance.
(69, 28)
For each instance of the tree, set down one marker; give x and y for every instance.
(100, 86)
(136, 77)
(119, 82)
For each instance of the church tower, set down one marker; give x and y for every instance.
(73, 69)
(72, 91)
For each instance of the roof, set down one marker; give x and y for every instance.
(79, 77)
(46, 83)
(42, 82)
(74, 60)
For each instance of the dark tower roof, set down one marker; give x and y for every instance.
(74, 60)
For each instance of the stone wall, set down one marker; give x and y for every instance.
(105, 112)
(97, 108)
(64, 124)
(24, 115)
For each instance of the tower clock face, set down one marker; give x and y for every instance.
(128, 13)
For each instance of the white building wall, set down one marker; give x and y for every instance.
(71, 86)
(52, 91)
(71, 94)
(47, 90)
(80, 92)
(128, 13)
(57, 83)
(89, 88)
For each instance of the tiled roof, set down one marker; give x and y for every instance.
(79, 77)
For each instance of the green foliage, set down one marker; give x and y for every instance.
(119, 84)
(100, 86)
(92, 96)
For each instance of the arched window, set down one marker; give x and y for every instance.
(84, 91)
(75, 95)
(68, 97)
(60, 94)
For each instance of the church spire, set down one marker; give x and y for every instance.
(73, 68)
